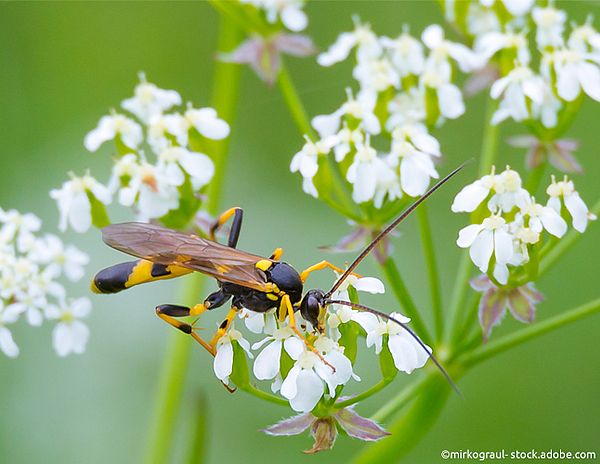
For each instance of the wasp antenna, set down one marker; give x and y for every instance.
(391, 227)
(364, 308)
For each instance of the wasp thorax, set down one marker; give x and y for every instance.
(313, 309)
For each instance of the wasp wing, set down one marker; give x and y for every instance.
(166, 246)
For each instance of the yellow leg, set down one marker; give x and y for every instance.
(286, 303)
(320, 266)
(224, 327)
(168, 313)
(222, 219)
(277, 254)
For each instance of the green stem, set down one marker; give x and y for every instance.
(411, 427)
(489, 150)
(294, 103)
(171, 382)
(401, 399)
(198, 442)
(558, 248)
(432, 269)
(366, 394)
(509, 341)
(174, 368)
(535, 178)
(252, 390)
(469, 322)
(402, 294)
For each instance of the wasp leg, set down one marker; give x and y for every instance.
(121, 276)
(286, 303)
(236, 225)
(224, 326)
(320, 266)
(168, 313)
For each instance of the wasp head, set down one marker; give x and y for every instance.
(313, 309)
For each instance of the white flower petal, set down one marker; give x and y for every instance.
(481, 250)
(7, 344)
(223, 363)
(310, 391)
(266, 364)
(369, 284)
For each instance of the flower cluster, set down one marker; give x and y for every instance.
(507, 235)
(379, 138)
(289, 12)
(542, 87)
(308, 380)
(30, 269)
(166, 188)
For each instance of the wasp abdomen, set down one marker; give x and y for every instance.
(121, 276)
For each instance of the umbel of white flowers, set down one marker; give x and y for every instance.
(405, 87)
(31, 266)
(154, 188)
(515, 222)
(298, 374)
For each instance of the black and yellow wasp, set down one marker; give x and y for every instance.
(250, 281)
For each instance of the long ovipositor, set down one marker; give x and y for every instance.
(121, 276)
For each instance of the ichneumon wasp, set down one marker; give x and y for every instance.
(250, 281)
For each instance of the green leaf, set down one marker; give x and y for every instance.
(386, 362)
(239, 375)
(99, 215)
(349, 333)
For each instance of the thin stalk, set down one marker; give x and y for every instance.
(558, 248)
(294, 103)
(470, 318)
(489, 150)
(264, 395)
(401, 399)
(199, 427)
(366, 394)
(403, 296)
(517, 338)
(174, 368)
(432, 269)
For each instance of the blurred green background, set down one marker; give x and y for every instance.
(66, 64)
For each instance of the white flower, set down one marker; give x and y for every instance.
(442, 49)
(544, 217)
(267, 362)
(124, 169)
(7, 344)
(584, 37)
(449, 97)
(361, 108)
(223, 362)
(149, 100)
(163, 125)
(70, 335)
(153, 189)
(259, 322)
(16, 224)
(367, 43)
(207, 123)
(306, 161)
(575, 71)
(290, 12)
(345, 139)
(198, 166)
(509, 192)
(406, 54)
(550, 24)
(519, 84)
(481, 20)
(74, 204)
(406, 109)
(407, 353)
(487, 45)
(483, 240)
(514, 7)
(376, 75)
(305, 383)
(31, 303)
(472, 195)
(362, 173)
(111, 127)
(60, 258)
(416, 166)
(575, 205)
